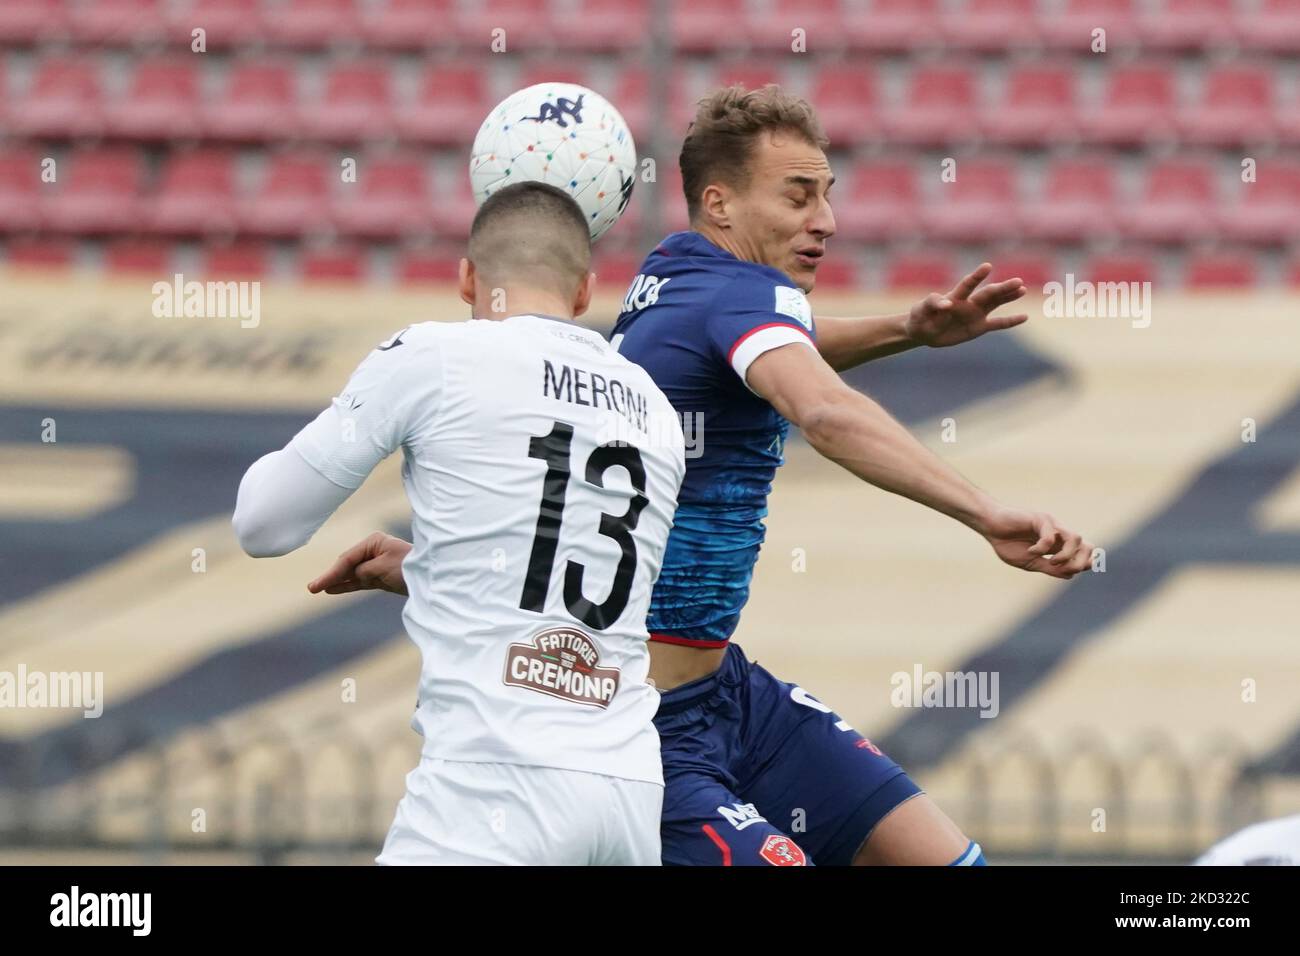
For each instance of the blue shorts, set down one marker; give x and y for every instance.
(757, 772)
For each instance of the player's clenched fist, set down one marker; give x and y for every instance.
(1035, 541)
(374, 562)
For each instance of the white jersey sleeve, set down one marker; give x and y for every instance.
(393, 392)
(287, 495)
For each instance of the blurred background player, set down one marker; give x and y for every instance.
(533, 700)
(1271, 843)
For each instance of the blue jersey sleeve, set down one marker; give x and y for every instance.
(751, 316)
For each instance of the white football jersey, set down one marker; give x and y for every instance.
(543, 470)
(1272, 843)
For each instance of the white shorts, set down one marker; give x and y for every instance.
(457, 813)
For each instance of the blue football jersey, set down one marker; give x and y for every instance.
(695, 318)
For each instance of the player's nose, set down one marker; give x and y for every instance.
(823, 221)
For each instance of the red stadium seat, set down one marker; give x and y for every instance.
(1080, 202)
(1274, 26)
(940, 106)
(683, 98)
(1178, 203)
(1039, 107)
(39, 253)
(292, 198)
(428, 265)
(700, 26)
(390, 198)
(527, 24)
(838, 271)
(119, 22)
(1187, 24)
(161, 103)
(1237, 106)
(98, 193)
(981, 204)
(344, 263)
(139, 256)
(258, 103)
(604, 25)
(20, 190)
(848, 104)
(883, 202)
(241, 261)
(1137, 107)
(24, 22)
(1034, 268)
(632, 99)
(1267, 210)
(1072, 28)
(226, 23)
(449, 107)
(893, 25)
(921, 270)
(553, 71)
(408, 24)
(667, 193)
(357, 105)
(64, 99)
(615, 271)
(1125, 266)
(988, 25)
(312, 24)
(823, 25)
(196, 195)
(1221, 271)
(454, 206)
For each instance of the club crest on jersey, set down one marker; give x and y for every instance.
(562, 662)
(780, 850)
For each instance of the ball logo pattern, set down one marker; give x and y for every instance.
(562, 134)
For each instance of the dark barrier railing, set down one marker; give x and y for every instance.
(274, 794)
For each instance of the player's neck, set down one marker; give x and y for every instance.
(505, 303)
(728, 241)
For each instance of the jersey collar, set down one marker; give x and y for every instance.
(691, 243)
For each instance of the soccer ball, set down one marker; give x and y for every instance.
(564, 135)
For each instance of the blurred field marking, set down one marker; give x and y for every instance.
(1280, 511)
(49, 481)
(150, 600)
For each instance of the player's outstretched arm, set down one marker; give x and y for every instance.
(855, 432)
(937, 321)
(374, 562)
(282, 502)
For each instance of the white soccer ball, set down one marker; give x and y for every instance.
(562, 134)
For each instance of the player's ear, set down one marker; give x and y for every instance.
(585, 291)
(465, 281)
(713, 205)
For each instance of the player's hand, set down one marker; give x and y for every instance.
(1034, 541)
(374, 562)
(963, 314)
